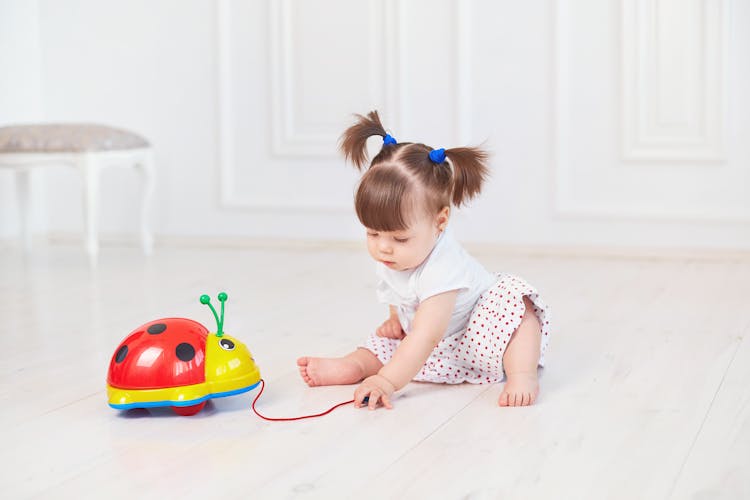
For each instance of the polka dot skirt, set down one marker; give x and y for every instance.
(476, 356)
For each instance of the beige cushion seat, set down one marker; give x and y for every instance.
(71, 137)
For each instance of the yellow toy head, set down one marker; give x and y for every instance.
(229, 364)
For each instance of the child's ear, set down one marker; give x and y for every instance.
(443, 217)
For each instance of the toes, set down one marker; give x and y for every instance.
(513, 398)
(304, 375)
(304, 370)
(503, 399)
(312, 376)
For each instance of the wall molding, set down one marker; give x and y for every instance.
(287, 139)
(563, 204)
(477, 248)
(228, 197)
(290, 143)
(657, 122)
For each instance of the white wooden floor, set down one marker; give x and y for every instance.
(646, 393)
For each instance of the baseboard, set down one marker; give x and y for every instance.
(478, 248)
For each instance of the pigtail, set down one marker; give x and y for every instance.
(353, 141)
(470, 170)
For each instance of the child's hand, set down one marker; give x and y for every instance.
(391, 328)
(377, 389)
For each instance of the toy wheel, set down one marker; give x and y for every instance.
(186, 411)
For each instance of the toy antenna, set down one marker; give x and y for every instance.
(205, 299)
(222, 298)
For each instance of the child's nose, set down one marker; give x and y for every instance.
(385, 247)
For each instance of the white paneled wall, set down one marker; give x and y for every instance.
(648, 135)
(612, 123)
(20, 93)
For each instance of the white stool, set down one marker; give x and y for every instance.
(88, 148)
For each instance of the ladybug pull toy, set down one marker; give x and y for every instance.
(177, 362)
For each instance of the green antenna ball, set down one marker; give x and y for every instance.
(222, 297)
(205, 299)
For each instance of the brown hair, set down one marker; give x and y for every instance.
(402, 179)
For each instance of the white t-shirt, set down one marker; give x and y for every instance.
(448, 267)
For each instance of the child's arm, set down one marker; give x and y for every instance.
(430, 322)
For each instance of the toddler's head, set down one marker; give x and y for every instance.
(405, 195)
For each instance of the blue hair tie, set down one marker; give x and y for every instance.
(388, 140)
(437, 155)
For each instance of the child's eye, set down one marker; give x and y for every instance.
(401, 240)
(369, 233)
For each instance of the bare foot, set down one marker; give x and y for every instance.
(330, 371)
(521, 389)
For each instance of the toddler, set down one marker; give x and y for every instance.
(450, 321)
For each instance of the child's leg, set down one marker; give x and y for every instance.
(520, 361)
(350, 369)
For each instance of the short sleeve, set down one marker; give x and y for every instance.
(433, 283)
(444, 271)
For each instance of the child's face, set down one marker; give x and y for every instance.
(407, 249)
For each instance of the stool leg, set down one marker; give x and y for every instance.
(23, 190)
(90, 172)
(147, 169)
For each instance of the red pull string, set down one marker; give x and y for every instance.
(263, 386)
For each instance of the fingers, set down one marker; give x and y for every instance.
(390, 329)
(360, 396)
(385, 330)
(375, 396)
(387, 402)
(365, 397)
(371, 398)
(379, 397)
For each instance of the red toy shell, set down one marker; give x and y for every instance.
(167, 352)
